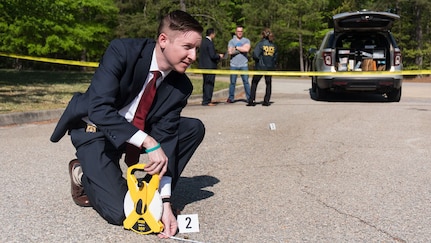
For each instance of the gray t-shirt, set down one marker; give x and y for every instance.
(238, 59)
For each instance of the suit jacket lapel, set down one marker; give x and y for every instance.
(142, 68)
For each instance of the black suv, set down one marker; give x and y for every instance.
(360, 42)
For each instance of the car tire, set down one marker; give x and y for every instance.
(313, 84)
(321, 94)
(394, 95)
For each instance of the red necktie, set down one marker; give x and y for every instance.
(133, 152)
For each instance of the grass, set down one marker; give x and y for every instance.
(22, 91)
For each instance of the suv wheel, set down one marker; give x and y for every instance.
(394, 95)
(321, 94)
(313, 84)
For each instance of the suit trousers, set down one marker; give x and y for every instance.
(103, 179)
(207, 88)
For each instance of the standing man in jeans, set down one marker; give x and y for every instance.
(208, 59)
(238, 48)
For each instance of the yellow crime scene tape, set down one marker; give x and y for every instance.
(52, 60)
(228, 72)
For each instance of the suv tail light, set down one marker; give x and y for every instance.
(397, 57)
(327, 58)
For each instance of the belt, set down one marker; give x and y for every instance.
(89, 127)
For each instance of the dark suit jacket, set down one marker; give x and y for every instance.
(208, 57)
(117, 81)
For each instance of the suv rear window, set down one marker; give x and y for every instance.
(360, 41)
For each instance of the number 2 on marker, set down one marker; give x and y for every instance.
(188, 223)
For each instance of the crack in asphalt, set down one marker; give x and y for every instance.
(395, 238)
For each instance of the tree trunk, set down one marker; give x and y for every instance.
(182, 5)
(83, 59)
(301, 55)
(419, 35)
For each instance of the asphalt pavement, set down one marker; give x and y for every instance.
(354, 169)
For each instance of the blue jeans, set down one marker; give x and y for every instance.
(233, 83)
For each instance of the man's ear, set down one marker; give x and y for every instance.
(163, 38)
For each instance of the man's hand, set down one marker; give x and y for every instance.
(158, 161)
(169, 221)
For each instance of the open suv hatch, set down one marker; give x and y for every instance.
(361, 41)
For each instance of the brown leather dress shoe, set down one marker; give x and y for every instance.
(78, 194)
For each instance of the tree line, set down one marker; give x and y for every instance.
(82, 29)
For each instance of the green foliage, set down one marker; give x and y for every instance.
(58, 28)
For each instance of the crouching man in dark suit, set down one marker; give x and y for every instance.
(134, 103)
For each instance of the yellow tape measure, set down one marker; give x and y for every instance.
(143, 204)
